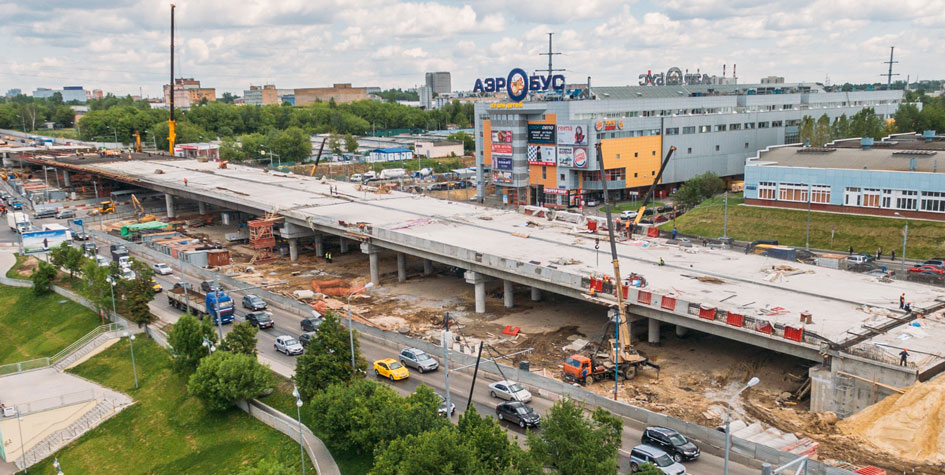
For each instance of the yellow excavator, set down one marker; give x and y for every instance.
(106, 207)
(139, 211)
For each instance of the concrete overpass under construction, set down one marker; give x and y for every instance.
(853, 335)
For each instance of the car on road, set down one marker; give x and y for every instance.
(16, 205)
(65, 214)
(510, 391)
(80, 236)
(517, 413)
(878, 273)
(936, 261)
(44, 213)
(184, 285)
(389, 368)
(672, 442)
(253, 302)
(310, 324)
(161, 268)
(288, 345)
(927, 269)
(419, 359)
(156, 286)
(306, 338)
(643, 454)
(628, 214)
(128, 274)
(442, 409)
(859, 258)
(102, 261)
(89, 249)
(208, 286)
(260, 320)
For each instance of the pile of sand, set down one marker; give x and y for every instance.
(910, 425)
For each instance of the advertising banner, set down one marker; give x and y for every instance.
(565, 157)
(542, 155)
(501, 136)
(501, 163)
(505, 148)
(571, 135)
(556, 191)
(501, 177)
(579, 155)
(541, 133)
(42, 241)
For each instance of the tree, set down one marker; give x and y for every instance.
(697, 189)
(469, 143)
(327, 360)
(821, 131)
(241, 339)
(806, 130)
(441, 451)
(840, 128)
(334, 144)
(866, 123)
(139, 292)
(67, 257)
(570, 443)
(43, 278)
(224, 378)
(230, 150)
(186, 339)
(228, 97)
(351, 143)
(97, 290)
(493, 450)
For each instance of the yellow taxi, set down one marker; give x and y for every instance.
(156, 286)
(391, 369)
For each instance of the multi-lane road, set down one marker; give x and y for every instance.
(287, 323)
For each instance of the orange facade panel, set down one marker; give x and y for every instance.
(487, 143)
(639, 156)
(543, 175)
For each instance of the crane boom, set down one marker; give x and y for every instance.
(318, 157)
(649, 193)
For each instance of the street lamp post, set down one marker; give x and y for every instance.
(57, 466)
(208, 345)
(807, 236)
(19, 423)
(298, 406)
(111, 288)
(905, 238)
(728, 420)
(271, 153)
(350, 330)
(131, 339)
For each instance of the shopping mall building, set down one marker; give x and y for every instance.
(541, 150)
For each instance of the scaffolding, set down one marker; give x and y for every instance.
(261, 238)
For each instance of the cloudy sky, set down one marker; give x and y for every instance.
(122, 45)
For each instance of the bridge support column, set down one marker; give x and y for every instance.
(427, 267)
(681, 331)
(343, 245)
(653, 335)
(319, 245)
(169, 201)
(536, 294)
(401, 267)
(293, 248)
(202, 208)
(371, 251)
(66, 179)
(479, 281)
(507, 288)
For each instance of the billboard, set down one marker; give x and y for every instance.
(501, 136)
(501, 177)
(501, 162)
(571, 135)
(580, 157)
(35, 242)
(542, 155)
(541, 133)
(565, 157)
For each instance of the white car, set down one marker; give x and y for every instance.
(128, 274)
(288, 345)
(162, 269)
(510, 391)
(628, 214)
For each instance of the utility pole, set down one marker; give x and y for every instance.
(447, 339)
(550, 54)
(890, 74)
(725, 217)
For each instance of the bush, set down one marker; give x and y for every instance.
(43, 278)
(224, 378)
(187, 341)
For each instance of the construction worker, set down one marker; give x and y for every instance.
(908, 307)
(185, 182)
(661, 262)
(902, 301)
(328, 257)
(903, 356)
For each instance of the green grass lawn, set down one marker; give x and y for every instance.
(36, 327)
(58, 133)
(348, 462)
(789, 227)
(12, 273)
(632, 205)
(167, 430)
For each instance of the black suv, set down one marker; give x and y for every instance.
(259, 319)
(209, 286)
(310, 324)
(673, 443)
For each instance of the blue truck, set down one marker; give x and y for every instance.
(216, 304)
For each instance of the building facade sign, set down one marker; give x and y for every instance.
(571, 135)
(518, 84)
(501, 177)
(675, 77)
(565, 157)
(501, 162)
(608, 125)
(556, 191)
(542, 155)
(541, 133)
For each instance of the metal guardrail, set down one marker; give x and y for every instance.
(39, 363)
(56, 402)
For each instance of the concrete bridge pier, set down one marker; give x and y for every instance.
(371, 251)
(427, 267)
(169, 201)
(319, 245)
(653, 332)
(343, 245)
(479, 281)
(681, 331)
(66, 179)
(293, 248)
(401, 267)
(536, 294)
(507, 293)
(202, 208)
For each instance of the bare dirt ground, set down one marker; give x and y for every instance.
(698, 374)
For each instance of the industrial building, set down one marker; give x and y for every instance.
(543, 151)
(341, 93)
(438, 148)
(439, 82)
(897, 176)
(261, 96)
(394, 154)
(187, 92)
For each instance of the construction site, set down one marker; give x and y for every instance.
(824, 342)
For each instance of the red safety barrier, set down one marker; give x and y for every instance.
(764, 327)
(511, 331)
(870, 470)
(626, 291)
(644, 297)
(669, 303)
(707, 313)
(592, 226)
(734, 319)
(791, 333)
(653, 231)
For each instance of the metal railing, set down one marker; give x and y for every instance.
(39, 363)
(56, 402)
